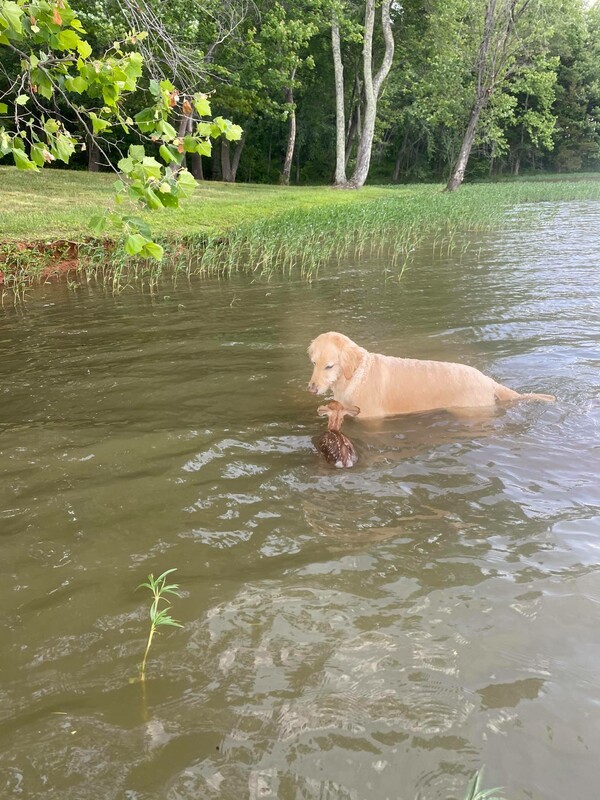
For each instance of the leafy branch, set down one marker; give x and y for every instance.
(57, 69)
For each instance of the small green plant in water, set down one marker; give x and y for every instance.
(475, 792)
(158, 616)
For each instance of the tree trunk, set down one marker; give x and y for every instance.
(226, 172)
(458, 173)
(237, 153)
(196, 167)
(229, 163)
(399, 159)
(291, 143)
(352, 130)
(215, 163)
(289, 153)
(269, 158)
(340, 122)
(93, 155)
(372, 88)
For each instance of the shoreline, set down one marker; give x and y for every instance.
(226, 228)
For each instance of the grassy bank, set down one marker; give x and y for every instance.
(54, 204)
(256, 228)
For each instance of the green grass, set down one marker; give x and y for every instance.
(255, 228)
(55, 204)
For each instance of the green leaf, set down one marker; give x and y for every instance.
(12, 14)
(141, 225)
(3, 108)
(21, 160)
(154, 250)
(69, 40)
(135, 243)
(186, 183)
(76, 84)
(167, 155)
(203, 129)
(22, 99)
(146, 115)
(110, 94)
(98, 223)
(137, 152)
(168, 131)
(169, 200)
(190, 144)
(43, 83)
(202, 105)
(221, 124)
(83, 48)
(234, 133)
(152, 200)
(98, 125)
(125, 165)
(37, 154)
(64, 147)
(51, 126)
(152, 168)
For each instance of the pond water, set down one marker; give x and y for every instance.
(374, 633)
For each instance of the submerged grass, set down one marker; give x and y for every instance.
(261, 230)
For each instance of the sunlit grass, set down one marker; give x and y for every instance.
(52, 203)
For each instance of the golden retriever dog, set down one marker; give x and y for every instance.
(384, 385)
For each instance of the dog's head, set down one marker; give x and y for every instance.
(334, 357)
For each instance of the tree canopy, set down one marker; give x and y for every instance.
(85, 82)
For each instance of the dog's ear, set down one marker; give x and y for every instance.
(350, 356)
(352, 411)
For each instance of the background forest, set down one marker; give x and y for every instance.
(525, 76)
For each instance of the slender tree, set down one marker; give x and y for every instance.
(372, 87)
(340, 119)
(511, 34)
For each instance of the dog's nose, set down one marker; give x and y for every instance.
(312, 388)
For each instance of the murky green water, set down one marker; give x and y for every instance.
(369, 634)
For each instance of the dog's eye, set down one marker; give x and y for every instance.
(330, 366)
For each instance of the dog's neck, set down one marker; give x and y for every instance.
(356, 379)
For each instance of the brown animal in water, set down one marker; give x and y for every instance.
(336, 447)
(384, 385)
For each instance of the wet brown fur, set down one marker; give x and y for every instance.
(333, 444)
